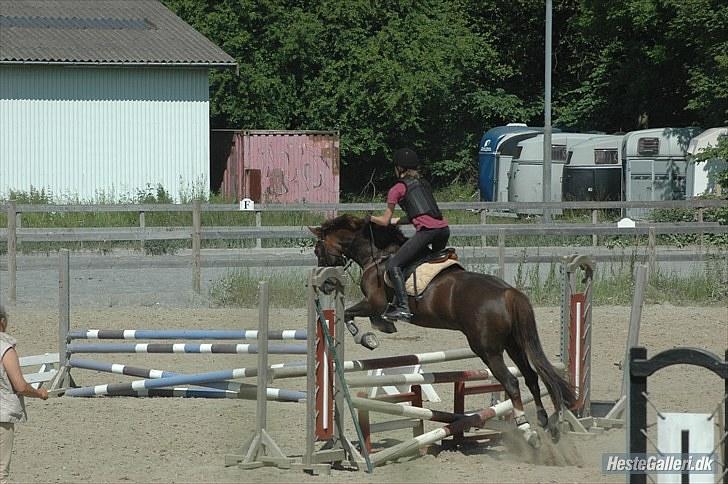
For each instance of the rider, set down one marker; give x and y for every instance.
(414, 195)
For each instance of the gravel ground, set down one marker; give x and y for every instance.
(184, 440)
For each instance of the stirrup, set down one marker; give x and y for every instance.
(394, 314)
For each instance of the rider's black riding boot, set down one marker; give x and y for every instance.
(399, 310)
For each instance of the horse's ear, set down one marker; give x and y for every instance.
(315, 231)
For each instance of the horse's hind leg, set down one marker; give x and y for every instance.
(494, 360)
(531, 378)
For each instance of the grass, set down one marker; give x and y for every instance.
(613, 285)
(158, 195)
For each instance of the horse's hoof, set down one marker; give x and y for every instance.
(383, 325)
(369, 341)
(532, 438)
(554, 427)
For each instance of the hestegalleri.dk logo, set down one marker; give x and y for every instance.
(658, 463)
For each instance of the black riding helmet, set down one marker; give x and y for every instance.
(406, 158)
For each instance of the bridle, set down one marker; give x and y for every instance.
(322, 252)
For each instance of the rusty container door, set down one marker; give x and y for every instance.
(294, 166)
(283, 167)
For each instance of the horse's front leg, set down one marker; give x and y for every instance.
(368, 339)
(363, 309)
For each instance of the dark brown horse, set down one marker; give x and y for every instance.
(492, 315)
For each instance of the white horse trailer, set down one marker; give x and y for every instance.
(702, 177)
(592, 171)
(525, 182)
(655, 165)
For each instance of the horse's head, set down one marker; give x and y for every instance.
(335, 238)
(347, 236)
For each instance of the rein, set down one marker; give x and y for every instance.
(371, 247)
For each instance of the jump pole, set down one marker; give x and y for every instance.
(386, 362)
(460, 425)
(191, 334)
(224, 348)
(241, 390)
(195, 379)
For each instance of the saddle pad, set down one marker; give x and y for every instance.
(425, 274)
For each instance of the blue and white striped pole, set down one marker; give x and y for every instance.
(197, 379)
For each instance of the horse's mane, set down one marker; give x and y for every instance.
(383, 236)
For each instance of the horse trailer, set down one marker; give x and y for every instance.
(592, 171)
(526, 174)
(496, 150)
(702, 177)
(655, 165)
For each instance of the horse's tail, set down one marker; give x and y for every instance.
(526, 335)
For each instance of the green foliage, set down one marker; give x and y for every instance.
(435, 74)
(647, 63)
(720, 151)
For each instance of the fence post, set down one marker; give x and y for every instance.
(64, 305)
(483, 221)
(651, 242)
(700, 220)
(258, 224)
(12, 252)
(595, 220)
(501, 253)
(142, 226)
(196, 245)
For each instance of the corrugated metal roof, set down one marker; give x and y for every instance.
(101, 32)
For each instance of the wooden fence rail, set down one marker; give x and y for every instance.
(15, 233)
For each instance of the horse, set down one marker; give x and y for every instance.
(493, 315)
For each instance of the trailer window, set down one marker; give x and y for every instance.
(605, 157)
(648, 146)
(558, 152)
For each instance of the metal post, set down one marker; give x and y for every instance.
(595, 220)
(196, 246)
(547, 118)
(12, 252)
(637, 412)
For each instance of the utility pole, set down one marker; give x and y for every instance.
(547, 118)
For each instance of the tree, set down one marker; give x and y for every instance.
(386, 74)
(648, 63)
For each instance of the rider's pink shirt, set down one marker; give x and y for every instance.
(397, 193)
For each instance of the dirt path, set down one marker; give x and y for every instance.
(184, 440)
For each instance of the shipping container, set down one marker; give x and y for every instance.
(282, 166)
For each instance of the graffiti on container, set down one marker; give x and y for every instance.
(309, 176)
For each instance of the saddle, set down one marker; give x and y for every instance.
(423, 270)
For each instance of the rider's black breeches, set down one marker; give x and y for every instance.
(416, 246)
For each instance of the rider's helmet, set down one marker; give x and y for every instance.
(406, 158)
